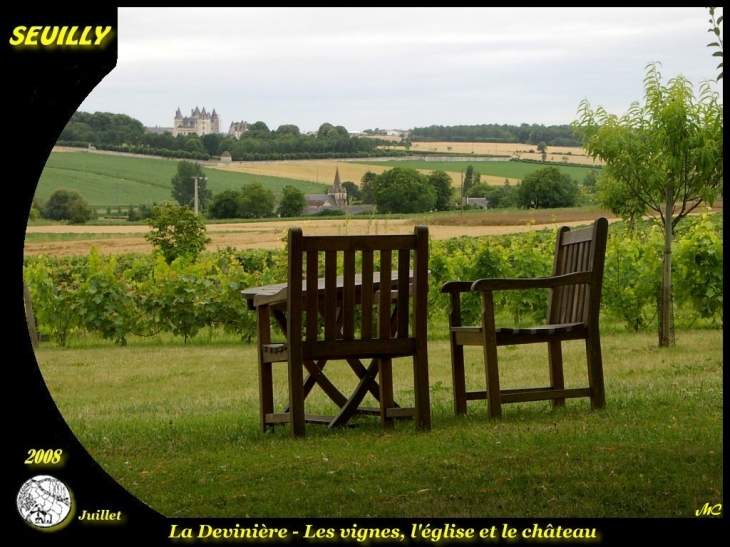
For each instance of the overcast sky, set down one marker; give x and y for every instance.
(395, 68)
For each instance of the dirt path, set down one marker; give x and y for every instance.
(257, 235)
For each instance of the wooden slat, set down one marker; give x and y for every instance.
(312, 308)
(366, 328)
(579, 302)
(578, 236)
(566, 299)
(404, 259)
(386, 259)
(330, 295)
(543, 395)
(342, 349)
(400, 412)
(348, 301)
(360, 243)
(282, 418)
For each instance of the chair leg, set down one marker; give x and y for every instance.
(557, 379)
(595, 370)
(266, 393)
(489, 333)
(458, 377)
(494, 393)
(421, 389)
(386, 392)
(296, 397)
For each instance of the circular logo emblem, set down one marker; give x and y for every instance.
(44, 501)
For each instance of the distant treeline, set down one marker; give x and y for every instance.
(554, 135)
(121, 133)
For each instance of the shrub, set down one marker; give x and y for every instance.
(67, 205)
(176, 231)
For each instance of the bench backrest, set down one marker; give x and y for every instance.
(579, 251)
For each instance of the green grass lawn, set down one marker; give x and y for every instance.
(115, 180)
(177, 426)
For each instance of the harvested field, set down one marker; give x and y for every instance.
(574, 154)
(320, 171)
(270, 235)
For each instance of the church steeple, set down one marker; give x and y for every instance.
(337, 184)
(338, 191)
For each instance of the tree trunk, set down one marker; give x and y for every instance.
(666, 337)
(29, 317)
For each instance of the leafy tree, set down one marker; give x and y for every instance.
(667, 155)
(288, 129)
(329, 131)
(542, 148)
(590, 180)
(547, 188)
(441, 183)
(366, 187)
(353, 192)
(211, 143)
(258, 126)
(468, 179)
(403, 190)
(67, 205)
(256, 201)
(175, 230)
(293, 201)
(183, 185)
(194, 145)
(717, 31)
(616, 196)
(225, 204)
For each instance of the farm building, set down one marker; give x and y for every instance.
(478, 202)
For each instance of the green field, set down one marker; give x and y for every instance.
(507, 169)
(111, 180)
(177, 426)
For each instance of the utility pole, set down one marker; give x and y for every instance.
(462, 191)
(196, 191)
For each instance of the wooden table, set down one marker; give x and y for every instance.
(272, 300)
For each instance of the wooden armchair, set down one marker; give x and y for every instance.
(573, 308)
(318, 317)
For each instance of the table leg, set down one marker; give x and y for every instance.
(266, 381)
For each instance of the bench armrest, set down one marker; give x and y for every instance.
(456, 286)
(507, 284)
